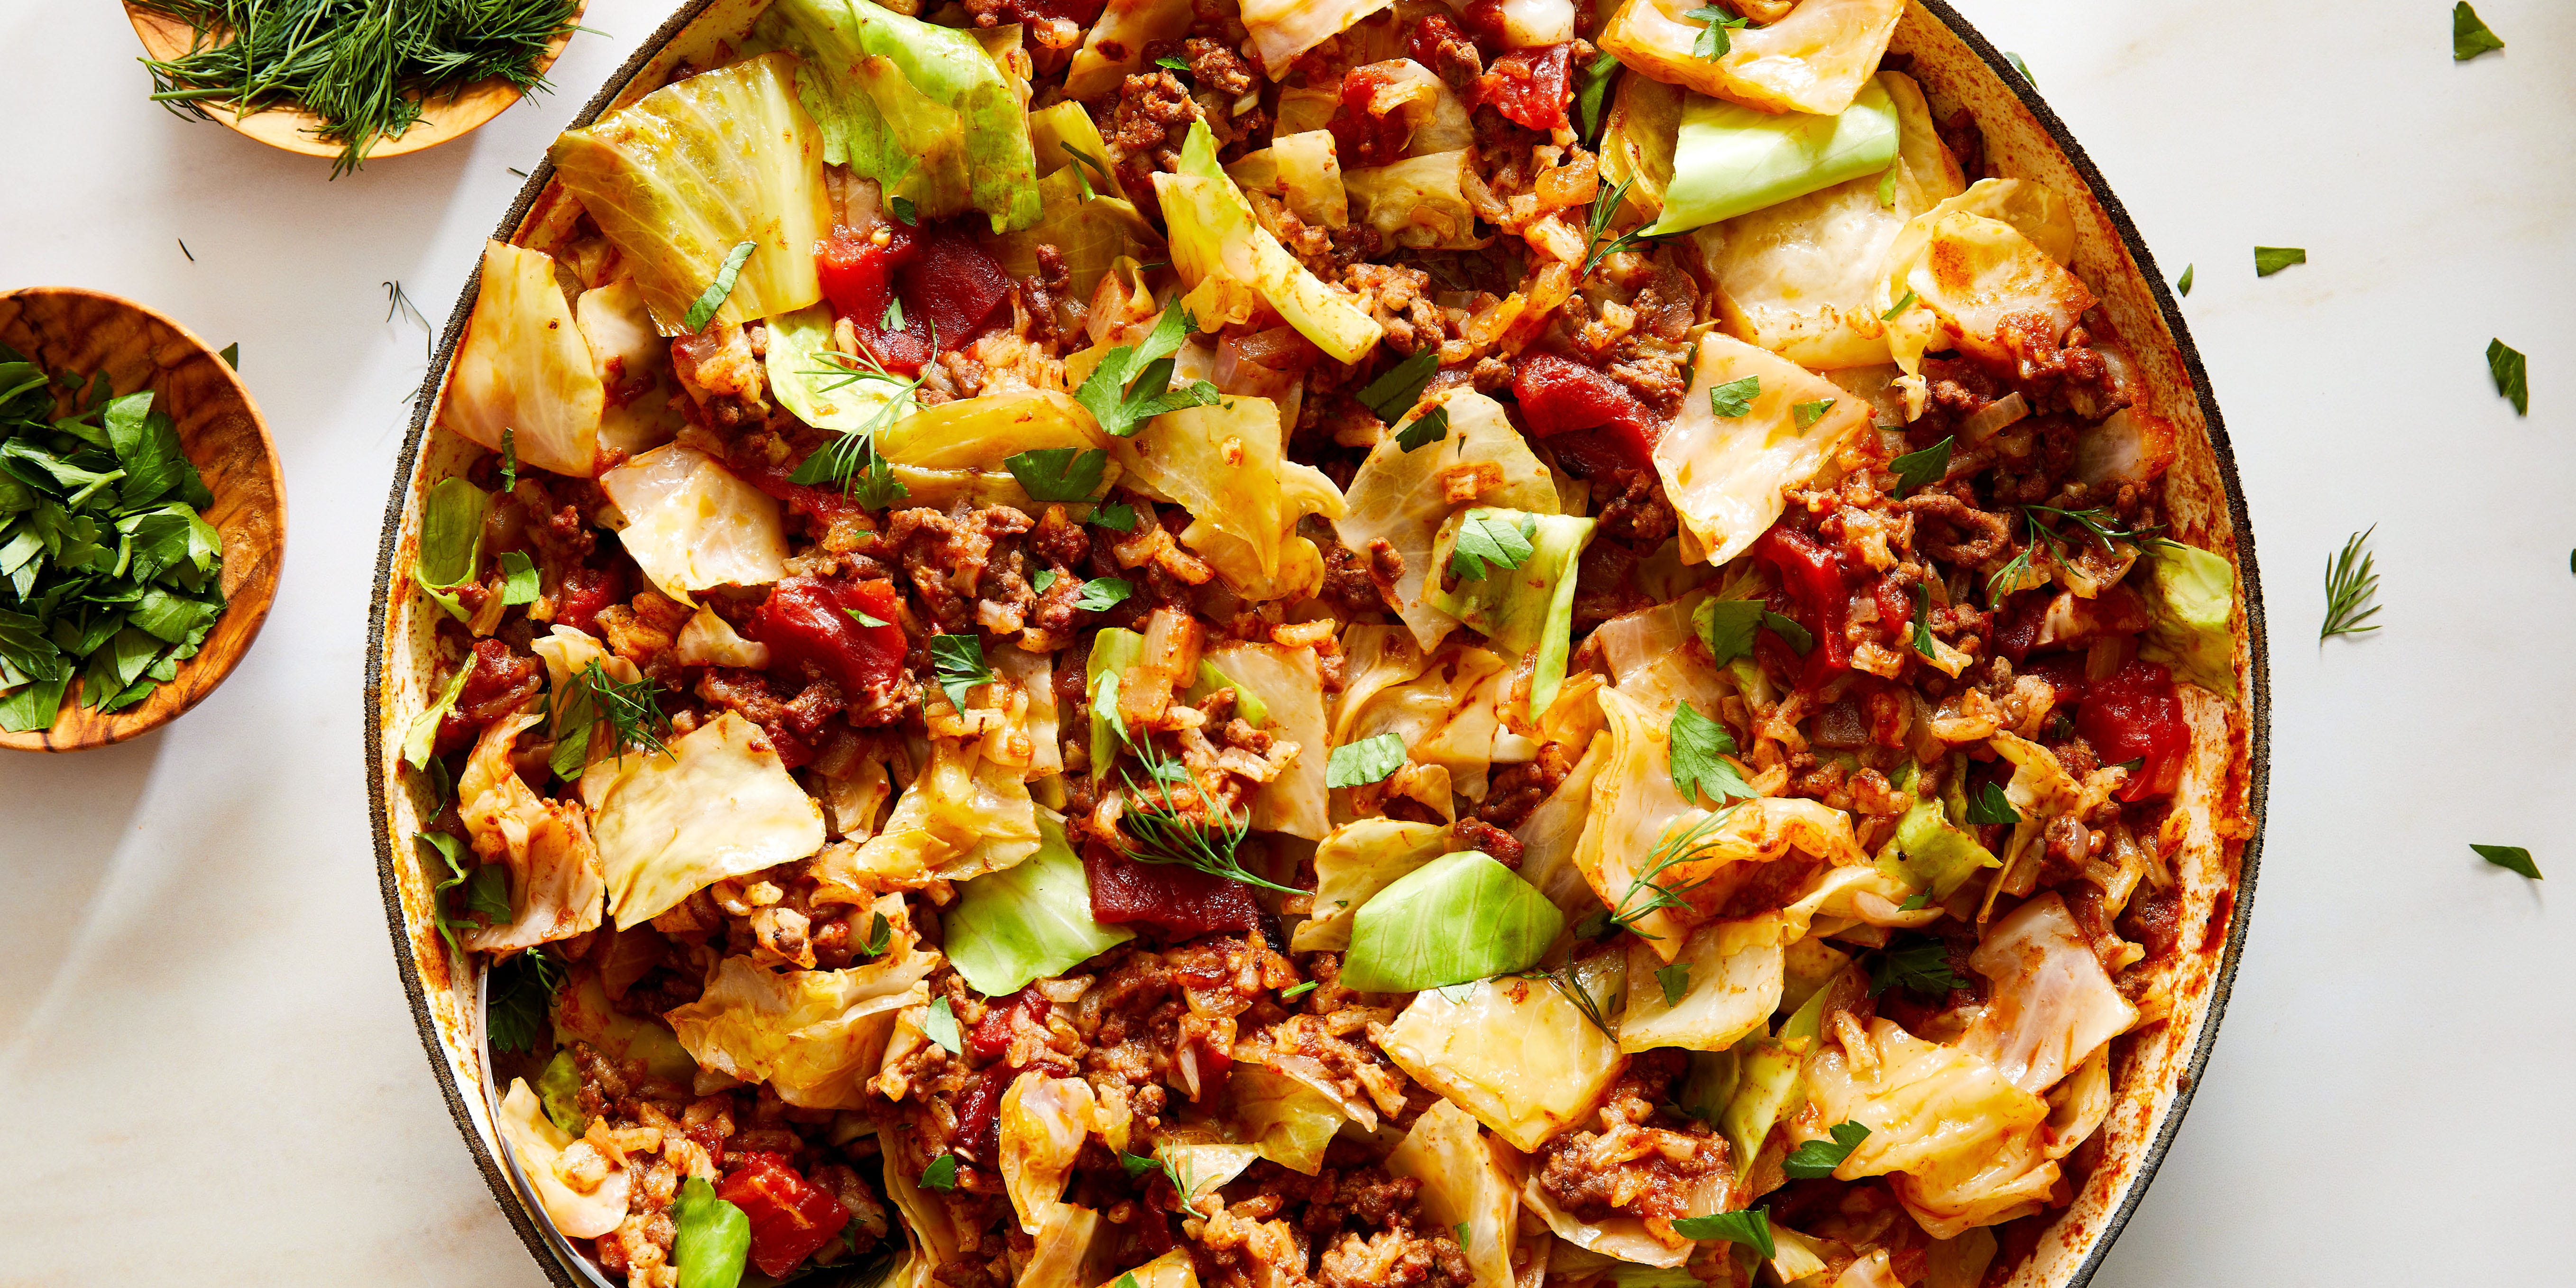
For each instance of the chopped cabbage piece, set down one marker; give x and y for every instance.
(1225, 464)
(525, 368)
(1283, 29)
(1027, 922)
(1514, 1052)
(1637, 140)
(1044, 1122)
(1653, 664)
(2051, 1003)
(1287, 686)
(1730, 159)
(690, 524)
(1233, 265)
(1524, 609)
(1420, 202)
(1998, 250)
(965, 815)
(1938, 856)
(538, 1146)
(1352, 864)
(1065, 136)
(1550, 834)
(816, 1036)
(1813, 60)
(1289, 1122)
(1114, 48)
(1463, 1188)
(1304, 170)
(582, 1012)
(2193, 593)
(1062, 1257)
(1626, 1238)
(719, 805)
(1457, 918)
(1091, 233)
(820, 392)
(1403, 498)
(1724, 474)
(1449, 715)
(683, 175)
(1929, 1108)
(924, 110)
(556, 876)
(634, 366)
(1731, 988)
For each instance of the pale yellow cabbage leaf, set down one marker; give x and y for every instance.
(556, 876)
(1724, 474)
(720, 805)
(1464, 1189)
(524, 367)
(1732, 987)
(1403, 498)
(1290, 685)
(634, 366)
(691, 524)
(1353, 863)
(1514, 1052)
(538, 1146)
(1998, 250)
(816, 1036)
(2050, 1004)
(1814, 60)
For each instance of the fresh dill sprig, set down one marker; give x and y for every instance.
(2099, 524)
(1165, 833)
(850, 462)
(632, 715)
(1605, 205)
(398, 304)
(1655, 895)
(364, 67)
(1571, 985)
(2352, 586)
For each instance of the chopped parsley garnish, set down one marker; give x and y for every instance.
(1044, 578)
(941, 1175)
(958, 663)
(880, 937)
(1699, 747)
(1295, 991)
(1173, 63)
(2352, 587)
(515, 997)
(1102, 593)
(866, 618)
(1116, 518)
(1397, 388)
(1989, 806)
(1897, 310)
(1751, 1227)
(1919, 966)
(1817, 1158)
(1058, 473)
(1428, 428)
(893, 319)
(1369, 760)
(903, 211)
(2470, 35)
(1922, 469)
(1133, 383)
(509, 460)
(1799, 638)
(2513, 858)
(1588, 102)
(940, 1026)
(1808, 413)
(1923, 620)
(1735, 397)
(519, 579)
(1727, 627)
(2512, 375)
(713, 298)
(2272, 259)
(1490, 539)
(1712, 42)
(1675, 981)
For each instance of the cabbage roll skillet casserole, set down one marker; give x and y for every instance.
(1306, 646)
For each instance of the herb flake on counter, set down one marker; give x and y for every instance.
(2020, 66)
(2512, 858)
(2184, 284)
(2470, 35)
(2352, 588)
(2512, 375)
(2272, 259)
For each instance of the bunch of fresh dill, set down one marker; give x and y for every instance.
(362, 66)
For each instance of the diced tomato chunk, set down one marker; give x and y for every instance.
(1359, 138)
(858, 275)
(991, 1039)
(979, 1116)
(1528, 86)
(954, 284)
(1561, 396)
(2017, 626)
(814, 619)
(790, 1216)
(1485, 19)
(587, 590)
(2134, 715)
(1183, 902)
(1430, 33)
(1818, 586)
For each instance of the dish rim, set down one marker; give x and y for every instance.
(2257, 709)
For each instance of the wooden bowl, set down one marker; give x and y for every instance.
(65, 328)
(446, 117)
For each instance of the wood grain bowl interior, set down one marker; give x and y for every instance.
(447, 117)
(67, 329)
(2227, 772)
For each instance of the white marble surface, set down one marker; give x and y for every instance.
(206, 1064)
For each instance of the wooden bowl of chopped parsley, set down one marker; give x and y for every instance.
(142, 519)
(347, 79)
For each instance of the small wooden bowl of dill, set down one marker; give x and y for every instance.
(131, 580)
(354, 80)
